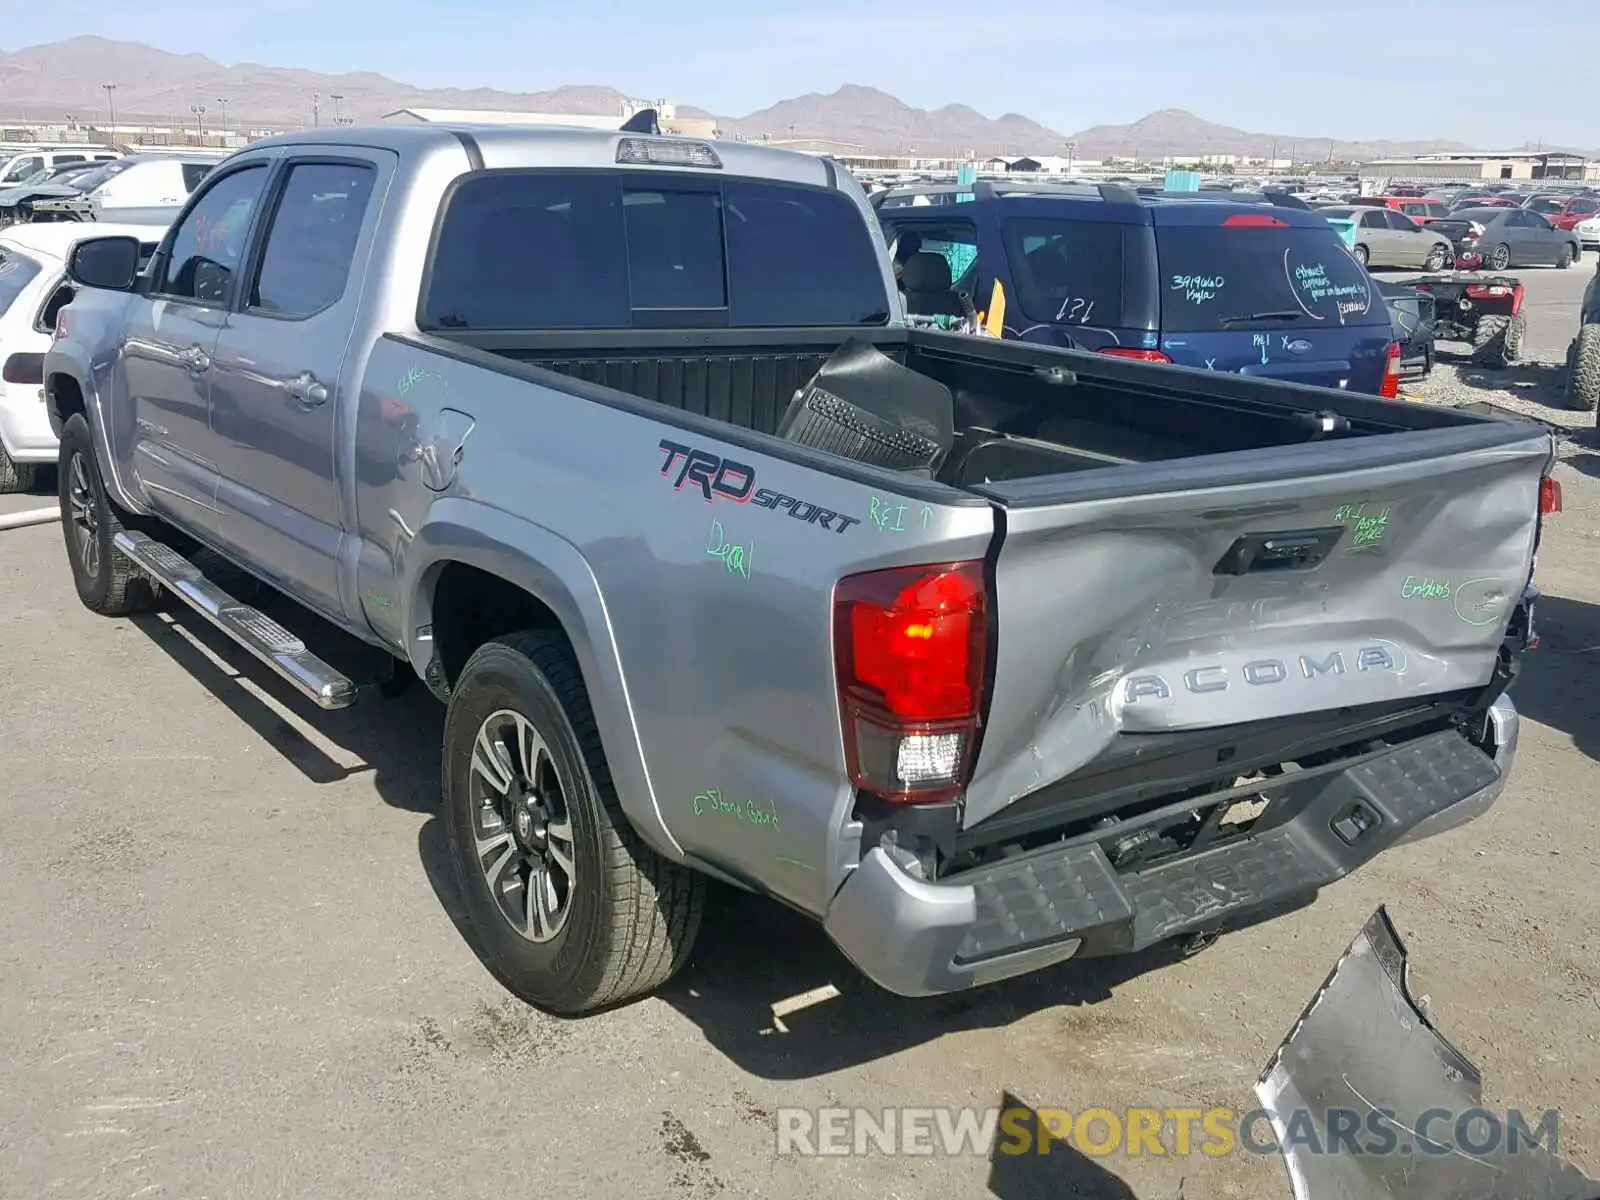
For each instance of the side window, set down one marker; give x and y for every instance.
(24, 167)
(1373, 220)
(1402, 222)
(193, 173)
(59, 299)
(207, 246)
(1066, 271)
(1585, 206)
(312, 241)
(1535, 221)
(61, 160)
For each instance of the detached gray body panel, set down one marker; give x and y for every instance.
(349, 461)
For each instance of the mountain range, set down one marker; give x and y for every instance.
(48, 82)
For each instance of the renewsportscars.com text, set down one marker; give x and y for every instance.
(1179, 1132)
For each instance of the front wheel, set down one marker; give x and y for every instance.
(1437, 258)
(1564, 259)
(1362, 254)
(107, 582)
(568, 907)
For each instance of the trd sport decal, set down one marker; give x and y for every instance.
(720, 478)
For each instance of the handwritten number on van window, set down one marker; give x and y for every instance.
(1197, 289)
(1075, 308)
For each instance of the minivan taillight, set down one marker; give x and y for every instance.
(1391, 373)
(911, 648)
(1141, 355)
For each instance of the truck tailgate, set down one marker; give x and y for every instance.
(1241, 587)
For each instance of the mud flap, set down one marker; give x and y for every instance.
(1364, 1047)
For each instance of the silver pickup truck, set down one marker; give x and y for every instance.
(985, 655)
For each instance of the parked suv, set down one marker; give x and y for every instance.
(1215, 283)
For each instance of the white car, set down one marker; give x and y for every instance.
(33, 290)
(1588, 231)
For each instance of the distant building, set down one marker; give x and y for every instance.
(1472, 166)
(666, 115)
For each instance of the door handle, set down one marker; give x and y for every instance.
(195, 359)
(307, 391)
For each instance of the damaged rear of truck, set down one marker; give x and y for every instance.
(983, 654)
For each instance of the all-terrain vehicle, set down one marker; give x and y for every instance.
(1583, 356)
(1485, 311)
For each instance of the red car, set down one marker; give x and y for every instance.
(1564, 212)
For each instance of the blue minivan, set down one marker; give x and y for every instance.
(1197, 279)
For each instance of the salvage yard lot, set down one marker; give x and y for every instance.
(231, 965)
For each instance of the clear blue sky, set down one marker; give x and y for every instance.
(1357, 68)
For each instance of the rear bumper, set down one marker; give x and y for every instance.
(917, 938)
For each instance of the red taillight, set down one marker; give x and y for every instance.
(1391, 373)
(911, 648)
(1253, 221)
(1141, 355)
(1549, 496)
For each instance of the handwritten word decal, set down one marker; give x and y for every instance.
(927, 514)
(1368, 528)
(713, 802)
(1197, 289)
(410, 380)
(734, 556)
(889, 518)
(1482, 601)
(1424, 588)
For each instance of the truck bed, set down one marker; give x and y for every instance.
(1110, 413)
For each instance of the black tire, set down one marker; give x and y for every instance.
(1583, 386)
(1490, 341)
(1362, 254)
(107, 582)
(632, 916)
(1499, 258)
(15, 476)
(1437, 259)
(1566, 258)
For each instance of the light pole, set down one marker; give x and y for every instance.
(316, 108)
(223, 104)
(199, 111)
(336, 97)
(111, 112)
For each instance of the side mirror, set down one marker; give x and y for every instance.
(111, 263)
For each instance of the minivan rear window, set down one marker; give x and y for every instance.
(17, 271)
(526, 250)
(1214, 277)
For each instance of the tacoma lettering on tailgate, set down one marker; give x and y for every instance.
(1263, 671)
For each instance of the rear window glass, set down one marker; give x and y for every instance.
(546, 250)
(1068, 272)
(17, 271)
(1215, 278)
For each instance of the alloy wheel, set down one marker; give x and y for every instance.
(85, 518)
(522, 826)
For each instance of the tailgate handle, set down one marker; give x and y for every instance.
(1289, 550)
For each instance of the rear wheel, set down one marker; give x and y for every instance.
(1437, 258)
(1564, 259)
(15, 476)
(1583, 385)
(569, 908)
(1362, 254)
(106, 581)
(1499, 258)
(1497, 340)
